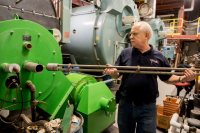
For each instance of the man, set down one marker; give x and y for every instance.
(138, 92)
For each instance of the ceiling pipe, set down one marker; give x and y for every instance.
(165, 16)
(191, 7)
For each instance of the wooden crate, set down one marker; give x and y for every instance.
(163, 121)
(171, 105)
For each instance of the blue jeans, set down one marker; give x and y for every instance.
(140, 118)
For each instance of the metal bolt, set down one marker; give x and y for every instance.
(54, 52)
(39, 35)
(9, 7)
(96, 27)
(14, 99)
(54, 74)
(33, 12)
(11, 32)
(22, 10)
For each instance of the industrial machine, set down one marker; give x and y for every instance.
(159, 32)
(93, 34)
(99, 31)
(27, 82)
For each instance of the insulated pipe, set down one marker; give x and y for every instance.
(52, 67)
(191, 8)
(11, 68)
(173, 121)
(174, 124)
(33, 67)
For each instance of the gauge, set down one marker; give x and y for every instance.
(145, 10)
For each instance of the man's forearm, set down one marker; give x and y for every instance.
(174, 79)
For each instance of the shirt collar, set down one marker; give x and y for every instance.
(147, 52)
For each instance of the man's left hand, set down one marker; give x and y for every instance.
(188, 75)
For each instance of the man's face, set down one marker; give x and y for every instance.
(137, 37)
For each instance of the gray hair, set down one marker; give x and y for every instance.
(145, 27)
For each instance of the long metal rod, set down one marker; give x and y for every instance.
(136, 72)
(127, 67)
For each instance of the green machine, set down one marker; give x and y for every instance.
(26, 48)
(89, 101)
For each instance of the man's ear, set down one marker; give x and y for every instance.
(147, 36)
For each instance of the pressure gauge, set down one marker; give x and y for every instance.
(145, 10)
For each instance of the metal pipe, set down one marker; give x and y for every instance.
(33, 67)
(26, 119)
(52, 67)
(11, 68)
(27, 45)
(27, 11)
(32, 88)
(121, 69)
(135, 72)
(191, 7)
(109, 81)
(174, 124)
(127, 67)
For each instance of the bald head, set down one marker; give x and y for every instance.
(145, 28)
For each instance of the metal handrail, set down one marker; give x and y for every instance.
(174, 24)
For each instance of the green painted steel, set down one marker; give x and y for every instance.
(97, 121)
(94, 101)
(23, 41)
(78, 82)
(66, 121)
(13, 35)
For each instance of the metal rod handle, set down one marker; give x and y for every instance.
(127, 67)
(136, 72)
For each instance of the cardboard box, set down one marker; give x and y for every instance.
(163, 121)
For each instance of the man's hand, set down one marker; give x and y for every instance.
(113, 72)
(188, 75)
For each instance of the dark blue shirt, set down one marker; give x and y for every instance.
(141, 88)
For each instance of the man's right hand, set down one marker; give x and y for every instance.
(113, 72)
